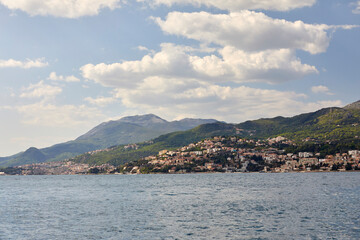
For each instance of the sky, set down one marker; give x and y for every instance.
(68, 65)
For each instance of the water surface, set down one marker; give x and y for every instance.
(190, 206)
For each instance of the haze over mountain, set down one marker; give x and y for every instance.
(126, 130)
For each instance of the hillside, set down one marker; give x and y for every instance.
(135, 129)
(327, 123)
(120, 154)
(322, 125)
(126, 130)
(354, 105)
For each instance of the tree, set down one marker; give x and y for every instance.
(334, 167)
(94, 170)
(348, 167)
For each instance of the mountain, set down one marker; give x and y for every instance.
(135, 129)
(29, 156)
(354, 105)
(325, 124)
(144, 120)
(120, 154)
(126, 130)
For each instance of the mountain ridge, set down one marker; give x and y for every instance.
(322, 125)
(130, 129)
(354, 105)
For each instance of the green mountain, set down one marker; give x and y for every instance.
(126, 130)
(120, 154)
(28, 157)
(135, 129)
(355, 105)
(325, 124)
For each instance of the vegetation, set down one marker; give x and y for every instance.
(325, 124)
(326, 148)
(327, 131)
(119, 155)
(11, 170)
(124, 131)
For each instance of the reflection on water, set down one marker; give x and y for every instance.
(191, 206)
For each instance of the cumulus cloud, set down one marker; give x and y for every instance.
(61, 8)
(41, 90)
(231, 5)
(272, 66)
(172, 60)
(321, 89)
(100, 101)
(357, 8)
(54, 77)
(232, 65)
(238, 47)
(189, 97)
(248, 30)
(11, 63)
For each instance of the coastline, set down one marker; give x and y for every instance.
(187, 173)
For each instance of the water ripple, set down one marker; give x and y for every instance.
(202, 206)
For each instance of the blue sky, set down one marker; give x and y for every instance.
(68, 65)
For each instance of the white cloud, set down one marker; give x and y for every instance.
(321, 89)
(237, 5)
(206, 82)
(61, 8)
(55, 77)
(272, 66)
(45, 114)
(171, 98)
(172, 60)
(357, 8)
(142, 48)
(248, 30)
(11, 63)
(231, 65)
(41, 90)
(100, 101)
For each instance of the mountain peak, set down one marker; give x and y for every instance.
(196, 121)
(34, 153)
(354, 105)
(131, 129)
(143, 120)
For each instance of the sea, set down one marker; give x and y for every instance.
(181, 206)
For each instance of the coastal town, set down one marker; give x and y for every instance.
(217, 154)
(232, 154)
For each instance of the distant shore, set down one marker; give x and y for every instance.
(131, 174)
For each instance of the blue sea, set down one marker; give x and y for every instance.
(189, 206)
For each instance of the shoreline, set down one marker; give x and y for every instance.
(132, 174)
